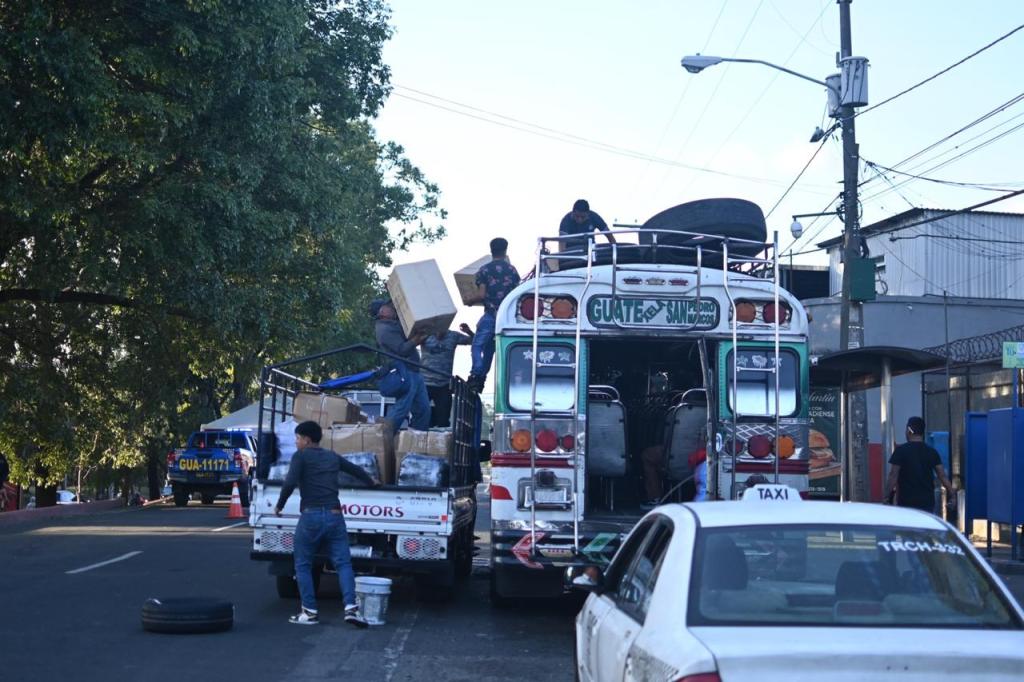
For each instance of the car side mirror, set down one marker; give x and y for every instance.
(584, 579)
(484, 451)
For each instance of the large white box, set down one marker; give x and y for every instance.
(421, 298)
(465, 279)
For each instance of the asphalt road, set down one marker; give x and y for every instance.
(58, 624)
(64, 617)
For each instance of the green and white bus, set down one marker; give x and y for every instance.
(673, 340)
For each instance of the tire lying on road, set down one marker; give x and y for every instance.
(187, 615)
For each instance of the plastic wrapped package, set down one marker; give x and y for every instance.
(367, 461)
(285, 433)
(423, 471)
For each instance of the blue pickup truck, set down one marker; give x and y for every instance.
(210, 463)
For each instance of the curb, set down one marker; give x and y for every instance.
(59, 511)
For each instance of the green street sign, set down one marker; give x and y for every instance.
(1013, 354)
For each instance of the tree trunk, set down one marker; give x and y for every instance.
(154, 471)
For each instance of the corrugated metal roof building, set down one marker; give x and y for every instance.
(978, 254)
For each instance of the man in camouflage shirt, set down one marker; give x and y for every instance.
(494, 281)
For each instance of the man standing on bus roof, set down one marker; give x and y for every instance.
(494, 281)
(581, 220)
(914, 466)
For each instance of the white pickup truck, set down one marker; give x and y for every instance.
(424, 531)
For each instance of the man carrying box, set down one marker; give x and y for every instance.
(494, 281)
(413, 401)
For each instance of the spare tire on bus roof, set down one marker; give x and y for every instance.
(724, 217)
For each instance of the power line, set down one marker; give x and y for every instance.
(796, 179)
(987, 186)
(945, 70)
(564, 137)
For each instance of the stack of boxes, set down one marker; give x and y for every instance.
(421, 458)
(357, 442)
(421, 298)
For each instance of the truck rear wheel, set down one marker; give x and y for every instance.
(207, 498)
(180, 497)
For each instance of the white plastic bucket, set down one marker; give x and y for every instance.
(372, 597)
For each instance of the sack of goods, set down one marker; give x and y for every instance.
(421, 298)
(367, 461)
(375, 439)
(421, 457)
(423, 470)
(326, 410)
(465, 279)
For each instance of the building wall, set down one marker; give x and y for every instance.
(922, 261)
(909, 322)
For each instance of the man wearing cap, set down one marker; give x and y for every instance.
(413, 402)
(912, 471)
(494, 281)
(321, 521)
(581, 220)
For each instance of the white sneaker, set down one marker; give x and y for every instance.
(305, 617)
(352, 617)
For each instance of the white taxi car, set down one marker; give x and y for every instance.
(775, 588)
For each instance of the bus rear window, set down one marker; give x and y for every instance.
(556, 373)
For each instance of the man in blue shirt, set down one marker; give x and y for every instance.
(581, 220)
(494, 281)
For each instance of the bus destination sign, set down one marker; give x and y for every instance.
(637, 313)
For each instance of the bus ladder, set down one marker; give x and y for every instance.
(736, 369)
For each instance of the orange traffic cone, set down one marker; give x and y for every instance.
(235, 510)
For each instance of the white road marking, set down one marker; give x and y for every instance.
(129, 555)
(233, 525)
(393, 653)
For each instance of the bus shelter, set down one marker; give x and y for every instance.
(860, 369)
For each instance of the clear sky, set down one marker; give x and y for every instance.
(516, 109)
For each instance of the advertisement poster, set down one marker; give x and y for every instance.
(823, 443)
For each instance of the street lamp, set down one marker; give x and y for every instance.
(847, 90)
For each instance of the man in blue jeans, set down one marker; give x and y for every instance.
(494, 281)
(321, 521)
(414, 403)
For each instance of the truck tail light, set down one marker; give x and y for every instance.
(701, 677)
(172, 458)
(238, 458)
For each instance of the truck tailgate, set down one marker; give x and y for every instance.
(380, 510)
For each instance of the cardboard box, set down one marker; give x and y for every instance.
(375, 438)
(421, 298)
(326, 410)
(465, 279)
(434, 443)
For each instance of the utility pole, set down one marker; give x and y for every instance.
(851, 316)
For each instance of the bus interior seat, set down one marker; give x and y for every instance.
(606, 438)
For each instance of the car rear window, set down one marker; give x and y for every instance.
(841, 576)
(218, 439)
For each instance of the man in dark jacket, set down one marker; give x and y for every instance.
(321, 521)
(414, 401)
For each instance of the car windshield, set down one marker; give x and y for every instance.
(841, 576)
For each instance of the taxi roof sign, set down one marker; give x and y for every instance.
(771, 492)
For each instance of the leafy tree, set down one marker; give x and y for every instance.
(188, 190)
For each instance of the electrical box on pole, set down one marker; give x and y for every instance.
(854, 81)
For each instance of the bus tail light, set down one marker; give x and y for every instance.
(521, 440)
(760, 446)
(701, 677)
(547, 440)
(547, 307)
(568, 442)
(787, 447)
(527, 309)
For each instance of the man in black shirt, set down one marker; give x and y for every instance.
(913, 467)
(581, 220)
(321, 520)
